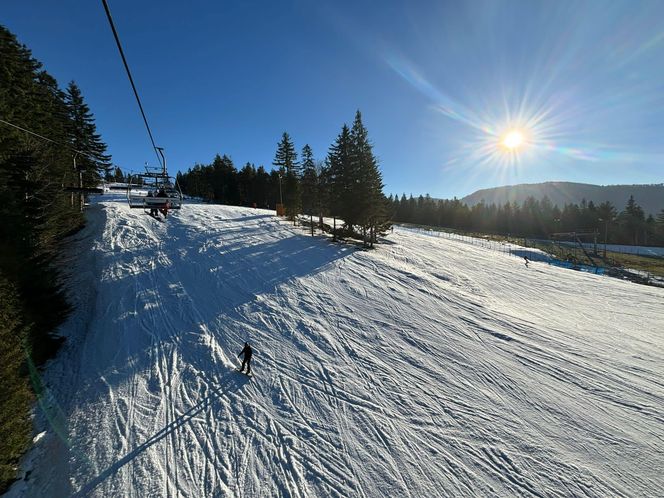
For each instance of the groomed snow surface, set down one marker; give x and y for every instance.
(427, 367)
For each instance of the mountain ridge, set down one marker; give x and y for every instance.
(649, 196)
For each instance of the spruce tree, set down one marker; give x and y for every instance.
(15, 395)
(606, 214)
(659, 227)
(660, 218)
(262, 188)
(366, 184)
(286, 157)
(632, 220)
(309, 184)
(118, 176)
(224, 181)
(246, 185)
(308, 161)
(36, 216)
(83, 136)
(338, 178)
(292, 195)
(324, 188)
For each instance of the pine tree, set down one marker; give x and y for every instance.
(366, 184)
(338, 177)
(36, 216)
(292, 195)
(659, 227)
(83, 136)
(15, 395)
(262, 188)
(309, 185)
(649, 230)
(324, 188)
(606, 214)
(632, 219)
(286, 157)
(118, 175)
(308, 161)
(246, 185)
(224, 180)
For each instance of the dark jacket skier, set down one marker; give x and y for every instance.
(166, 206)
(153, 210)
(247, 352)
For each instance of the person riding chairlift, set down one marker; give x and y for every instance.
(164, 208)
(153, 210)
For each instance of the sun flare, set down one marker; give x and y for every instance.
(513, 139)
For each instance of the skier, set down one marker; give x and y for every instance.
(153, 210)
(247, 352)
(164, 208)
(526, 258)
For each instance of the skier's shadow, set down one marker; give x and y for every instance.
(231, 382)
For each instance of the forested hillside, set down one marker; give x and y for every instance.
(534, 218)
(649, 197)
(48, 142)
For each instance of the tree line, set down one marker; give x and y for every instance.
(346, 185)
(534, 218)
(37, 214)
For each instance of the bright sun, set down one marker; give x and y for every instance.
(513, 139)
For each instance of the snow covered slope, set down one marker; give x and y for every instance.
(427, 367)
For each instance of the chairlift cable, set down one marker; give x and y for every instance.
(86, 154)
(131, 80)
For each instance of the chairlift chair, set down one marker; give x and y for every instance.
(157, 190)
(153, 189)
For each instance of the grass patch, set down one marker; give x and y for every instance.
(652, 265)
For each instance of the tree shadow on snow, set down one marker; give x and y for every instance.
(247, 218)
(226, 263)
(186, 281)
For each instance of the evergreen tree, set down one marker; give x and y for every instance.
(606, 215)
(276, 187)
(338, 177)
(15, 396)
(649, 230)
(246, 180)
(309, 185)
(262, 188)
(324, 189)
(292, 195)
(223, 177)
(659, 227)
(118, 175)
(368, 208)
(660, 217)
(36, 216)
(309, 182)
(308, 161)
(83, 136)
(286, 157)
(632, 220)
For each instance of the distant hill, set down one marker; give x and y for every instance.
(649, 197)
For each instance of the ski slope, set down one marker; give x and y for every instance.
(427, 367)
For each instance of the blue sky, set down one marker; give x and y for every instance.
(439, 83)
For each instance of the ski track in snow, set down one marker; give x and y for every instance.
(427, 367)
